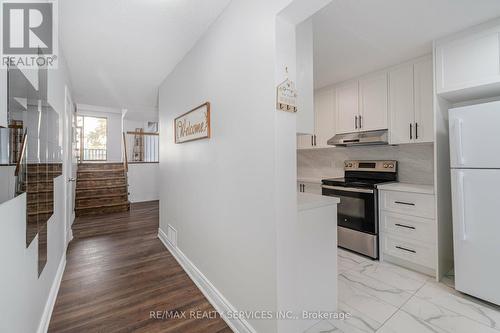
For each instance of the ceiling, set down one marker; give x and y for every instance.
(119, 51)
(355, 37)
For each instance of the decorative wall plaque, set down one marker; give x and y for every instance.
(286, 99)
(193, 125)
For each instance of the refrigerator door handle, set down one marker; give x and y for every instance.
(459, 147)
(461, 184)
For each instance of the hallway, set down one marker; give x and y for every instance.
(118, 272)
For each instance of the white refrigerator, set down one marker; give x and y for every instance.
(475, 182)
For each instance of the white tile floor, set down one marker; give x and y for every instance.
(385, 298)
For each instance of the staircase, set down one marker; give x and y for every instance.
(101, 188)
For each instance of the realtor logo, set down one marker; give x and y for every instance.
(29, 33)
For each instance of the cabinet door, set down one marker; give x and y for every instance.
(424, 107)
(401, 104)
(312, 188)
(324, 104)
(373, 102)
(468, 62)
(304, 141)
(347, 107)
(3, 97)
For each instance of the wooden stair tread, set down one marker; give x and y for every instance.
(101, 170)
(104, 206)
(41, 212)
(104, 196)
(100, 179)
(91, 188)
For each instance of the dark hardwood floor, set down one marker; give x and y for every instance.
(118, 273)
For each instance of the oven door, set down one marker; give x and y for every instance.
(357, 209)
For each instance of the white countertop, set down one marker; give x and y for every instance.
(310, 180)
(310, 201)
(407, 187)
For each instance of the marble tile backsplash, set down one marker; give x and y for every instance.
(416, 161)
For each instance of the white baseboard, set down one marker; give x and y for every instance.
(214, 296)
(51, 300)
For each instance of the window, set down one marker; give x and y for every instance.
(92, 133)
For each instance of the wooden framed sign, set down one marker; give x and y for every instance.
(286, 96)
(193, 125)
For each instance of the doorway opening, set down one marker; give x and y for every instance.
(92, 135)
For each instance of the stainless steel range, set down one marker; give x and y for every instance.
(358, 228)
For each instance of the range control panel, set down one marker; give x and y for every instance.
(376, 166)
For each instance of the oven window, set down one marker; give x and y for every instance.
(354, 207)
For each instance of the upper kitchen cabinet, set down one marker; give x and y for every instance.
(424, 105)
(411, 110)
(347, 118)
(373, 102)
(468, 63)
(3, 98)
(401, 95)
(362, 105)
(324, 116)
(324, 121)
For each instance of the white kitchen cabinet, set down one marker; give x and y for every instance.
(408, 226)
(373, 102)
(347, 107)
(411, 110)
(401, 111)
(305, 141)
(3, 98)
(307, 187)
(424, 105)
(468, 63)
(324, 113)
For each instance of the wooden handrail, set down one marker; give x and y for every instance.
(21, 156)
(125, 160)
(144, 133)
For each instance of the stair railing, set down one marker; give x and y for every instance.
(20, 173)
(125, 159)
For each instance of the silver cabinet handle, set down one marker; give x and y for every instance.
(405, 249)
(356, 122)
(72, 180)
(360, 123)
(405, 226)
(404, 203)
(411, 131)
(312, 140)
(416, 131)
(315, 142)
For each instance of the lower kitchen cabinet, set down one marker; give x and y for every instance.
(408, 228)
(308, 187)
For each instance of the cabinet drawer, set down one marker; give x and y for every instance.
(414, 204)
(409, 250)
(415, 228)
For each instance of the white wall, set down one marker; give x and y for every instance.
(115, 128)
(227, 197)
(143, 182)
(220, 193)
(25, 297)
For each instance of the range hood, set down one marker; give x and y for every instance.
(379, 137)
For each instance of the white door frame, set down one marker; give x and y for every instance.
(69, 167)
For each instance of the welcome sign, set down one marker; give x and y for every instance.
(193, 125)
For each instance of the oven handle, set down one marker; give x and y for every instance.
(347, 189)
